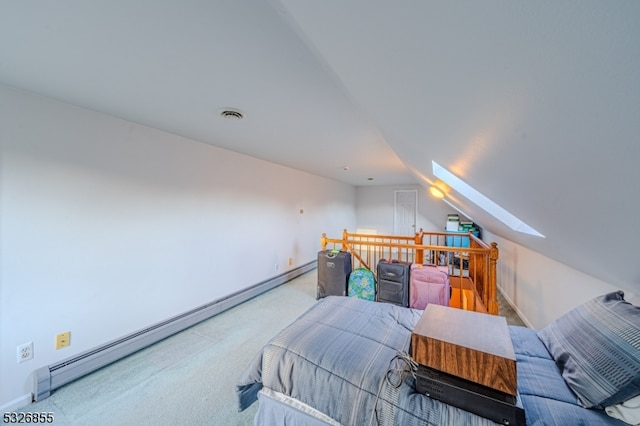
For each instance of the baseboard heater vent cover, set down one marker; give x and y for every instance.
(54, 376)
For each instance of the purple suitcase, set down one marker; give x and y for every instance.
(428, 284)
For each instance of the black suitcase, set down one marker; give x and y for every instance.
(393, 282)
(334, 268)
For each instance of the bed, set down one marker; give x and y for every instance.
(344, 362)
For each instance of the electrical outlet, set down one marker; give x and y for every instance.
(275, 267)
(25, 352)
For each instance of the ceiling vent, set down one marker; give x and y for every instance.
(232, 114)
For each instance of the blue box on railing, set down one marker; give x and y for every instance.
(460, 240)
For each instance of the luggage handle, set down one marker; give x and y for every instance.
(333, 253)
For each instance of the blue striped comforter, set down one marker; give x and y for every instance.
(335, 358)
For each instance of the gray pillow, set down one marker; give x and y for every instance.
(597, 348)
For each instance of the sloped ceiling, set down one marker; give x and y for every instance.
(535, 104)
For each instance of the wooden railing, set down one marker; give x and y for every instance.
(472, 269)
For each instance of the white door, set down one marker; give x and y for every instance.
(405, 212)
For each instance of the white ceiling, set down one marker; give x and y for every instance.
(535, 104)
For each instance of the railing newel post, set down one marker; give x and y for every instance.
(493, 283)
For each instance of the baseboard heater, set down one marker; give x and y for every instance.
(54, 376)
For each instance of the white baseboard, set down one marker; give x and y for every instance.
(17, 403)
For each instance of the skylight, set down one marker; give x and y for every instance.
(481, 201)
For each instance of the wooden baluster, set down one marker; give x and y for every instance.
(460, 279)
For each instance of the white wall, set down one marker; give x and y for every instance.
(107, 227)
(375, 206)
(540, 288)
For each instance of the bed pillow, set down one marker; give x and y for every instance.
(597, 348)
